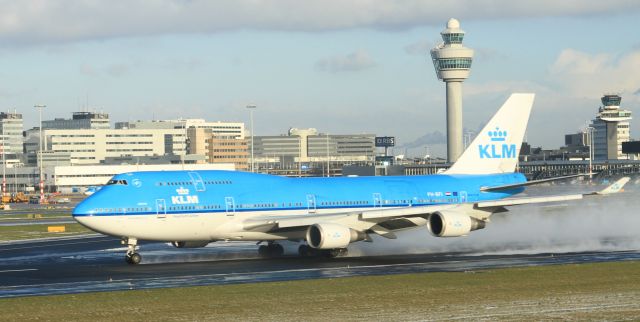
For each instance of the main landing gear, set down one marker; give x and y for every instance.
(308, 251)
(132, 257)
(271, 250)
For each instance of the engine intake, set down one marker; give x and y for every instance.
(452, 224)
(330, 236)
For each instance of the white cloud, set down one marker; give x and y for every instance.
(47, 21)
(356, 61)
(589, 75)
(420, 48)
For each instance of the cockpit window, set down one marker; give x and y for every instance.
(120, 182)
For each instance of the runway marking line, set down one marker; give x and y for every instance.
(62, 244)
(19, 270)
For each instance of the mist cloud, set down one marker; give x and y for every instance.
(593, 224)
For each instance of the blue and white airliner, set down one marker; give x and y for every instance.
(194, 208)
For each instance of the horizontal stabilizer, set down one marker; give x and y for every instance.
(530, 183)
(524, 201)
(613, 188)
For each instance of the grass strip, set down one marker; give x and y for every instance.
(8, 233)
(609, 291)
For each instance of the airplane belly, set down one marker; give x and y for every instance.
(150, 227)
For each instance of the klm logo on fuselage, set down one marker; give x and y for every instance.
(183, 197)
(497, 150)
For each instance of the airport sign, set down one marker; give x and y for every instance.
(385, 141)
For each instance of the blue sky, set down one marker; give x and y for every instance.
(339, 66)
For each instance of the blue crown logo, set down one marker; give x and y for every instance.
(182, 191)
(497, 135)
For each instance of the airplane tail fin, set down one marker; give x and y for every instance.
(496, 148)
(615, 187)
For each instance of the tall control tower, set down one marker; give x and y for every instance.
(452, 62)
(611, 129)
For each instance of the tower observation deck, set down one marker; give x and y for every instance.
(452, 62)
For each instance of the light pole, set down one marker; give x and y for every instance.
(40, 107)
(251, 107)
(590, 133)
(328, 160)
(4, 164)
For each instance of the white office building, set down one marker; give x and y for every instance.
(11, 127)
(308, 145)
(93, 146)
(227, 129)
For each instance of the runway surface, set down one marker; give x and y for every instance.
(586, 231)
(95, 263)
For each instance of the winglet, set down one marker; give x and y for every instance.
(615, 187)
(496, 148)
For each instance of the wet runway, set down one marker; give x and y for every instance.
(586, 231)
(96, 263)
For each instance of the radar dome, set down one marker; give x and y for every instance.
(453, 24)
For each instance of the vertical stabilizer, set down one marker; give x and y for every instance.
(615, 187)
(496, 148)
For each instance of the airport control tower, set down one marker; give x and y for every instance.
(611, 128)
(452, 62)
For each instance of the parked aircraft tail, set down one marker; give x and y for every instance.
(614, 187)
(496, 148)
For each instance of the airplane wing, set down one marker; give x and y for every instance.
(385, 221)
(377, 220)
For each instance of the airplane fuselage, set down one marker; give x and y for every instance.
(212, 205)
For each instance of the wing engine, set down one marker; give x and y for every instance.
(330, 236)
(452, 224)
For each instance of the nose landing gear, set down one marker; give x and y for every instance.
(131, 257)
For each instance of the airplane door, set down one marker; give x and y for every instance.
(377, 200)
(311, 203)
(197, 181)
(463, 196)
(230, 206)
(161, 208)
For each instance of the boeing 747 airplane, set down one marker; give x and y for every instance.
(194, 208)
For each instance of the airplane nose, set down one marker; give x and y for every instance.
(83, 209)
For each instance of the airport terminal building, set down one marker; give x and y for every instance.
(306, 151)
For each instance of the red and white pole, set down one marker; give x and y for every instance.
(41, 191)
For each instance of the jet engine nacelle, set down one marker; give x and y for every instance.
(330, 236)
(190, 244)
(452, 224)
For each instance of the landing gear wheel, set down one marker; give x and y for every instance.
(277, 250)
(133, 259)
(271, 250)
(336, 252)
(263, 251)
(304, 251)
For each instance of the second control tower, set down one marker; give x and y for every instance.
(452, 62)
